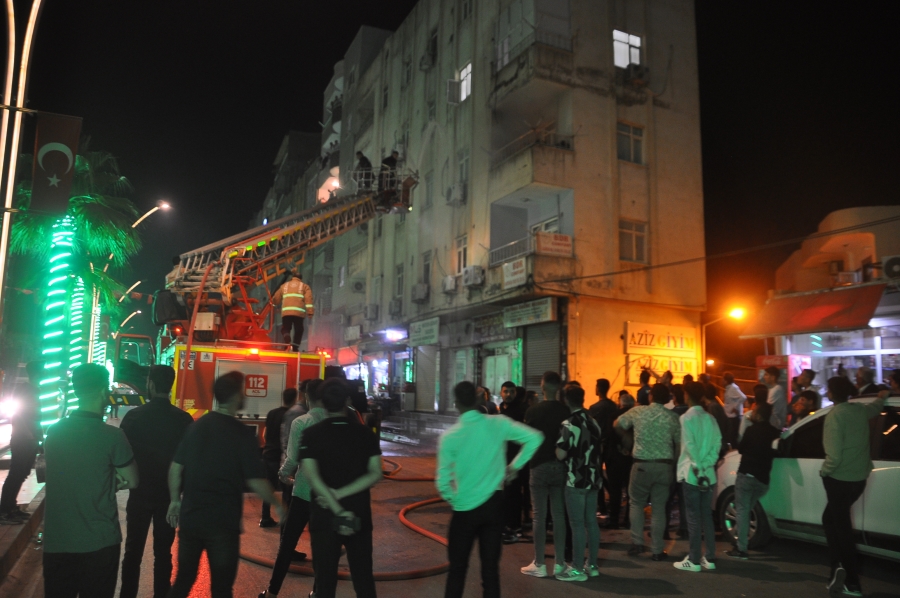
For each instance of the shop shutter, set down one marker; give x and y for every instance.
(541, 353)
(425, 366)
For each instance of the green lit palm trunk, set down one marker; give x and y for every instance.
(64, 345)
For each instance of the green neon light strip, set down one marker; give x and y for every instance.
(50, 423)
(49, 381)
(51, 350)
(55, 304)
(50, 366)
(50, 408)
(56, 280)
(59, 256)
(53, 321)
(56, 292)
(52, 334)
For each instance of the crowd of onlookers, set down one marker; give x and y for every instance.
(543, 463)
(546, 464)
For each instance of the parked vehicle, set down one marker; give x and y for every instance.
(793, 506)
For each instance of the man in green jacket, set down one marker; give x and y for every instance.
(844, 473)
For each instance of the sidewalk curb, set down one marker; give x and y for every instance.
(16, 540)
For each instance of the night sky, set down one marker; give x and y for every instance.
(798, 110)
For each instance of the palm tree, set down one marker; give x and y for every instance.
(76, 248)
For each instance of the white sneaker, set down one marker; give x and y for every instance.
(560, 569)
(594, 571)
(535, 570)
(686, 565)
(708, 565)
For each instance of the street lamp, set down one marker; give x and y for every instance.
(160, 205)
(735, 313)
(125, 321)
(131, 288)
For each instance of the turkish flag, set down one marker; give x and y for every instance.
(55, 148)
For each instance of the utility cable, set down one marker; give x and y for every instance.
(731, 253)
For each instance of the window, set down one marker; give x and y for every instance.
(432, 110)
(632, 241)
(384, 98)
(407, 72)
(379, 222)
(806, 441)
(356, 263)
(398, 290)
(429, 189)
(426, 267)
(342, 275)
(466, 8)
(465, 79)
(462, 253)
(503, 53)
(547, 226)
(626, 49)
(463, 158)
(630, 143)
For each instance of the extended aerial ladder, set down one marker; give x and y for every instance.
(216, 280)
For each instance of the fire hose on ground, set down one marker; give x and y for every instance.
(382, 576)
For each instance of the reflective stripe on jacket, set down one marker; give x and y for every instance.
(295, 297)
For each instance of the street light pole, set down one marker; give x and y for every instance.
(16, 108)
(736, 313)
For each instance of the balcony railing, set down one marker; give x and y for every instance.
(539, 36)
(545, 138)
(511, 251)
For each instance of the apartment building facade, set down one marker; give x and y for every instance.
(557, 149)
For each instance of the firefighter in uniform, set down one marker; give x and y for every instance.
(296, 299)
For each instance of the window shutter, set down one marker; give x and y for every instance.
(453, 91)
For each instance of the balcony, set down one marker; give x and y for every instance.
(542, 62)
(552, 245)
(530, 139)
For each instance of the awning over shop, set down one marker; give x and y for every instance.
(834, 310)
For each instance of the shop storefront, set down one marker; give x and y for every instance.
(424, 338)
(841, 330)
(499, 352)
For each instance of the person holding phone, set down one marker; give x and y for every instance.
(341, 459)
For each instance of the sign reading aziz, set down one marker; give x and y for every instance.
(661, 340)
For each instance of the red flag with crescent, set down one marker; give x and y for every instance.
(55, 148)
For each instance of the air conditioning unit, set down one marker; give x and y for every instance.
(449, 284)
(637, 74)
(420, 292)
(890, 266)
(372, 311)
(847, 278)
(358, 286)
(395, 308)
(456, 194)
(473, 276)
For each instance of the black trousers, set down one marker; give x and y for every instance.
(295, 322)
(513, 500)
(484, 523)
(326, 547)
(223, 549)
(271, 475)
(839, 526)
(22, 456)
(294, 523)
(139, 513)
(618, 471)
(82, 574)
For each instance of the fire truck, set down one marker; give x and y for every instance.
(216, 313)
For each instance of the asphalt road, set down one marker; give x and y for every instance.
(787, 569)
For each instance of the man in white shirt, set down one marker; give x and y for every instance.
(733, 399)
(471, 471)
(777, 399)
(700, 444)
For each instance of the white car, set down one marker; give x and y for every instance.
(793, 506)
